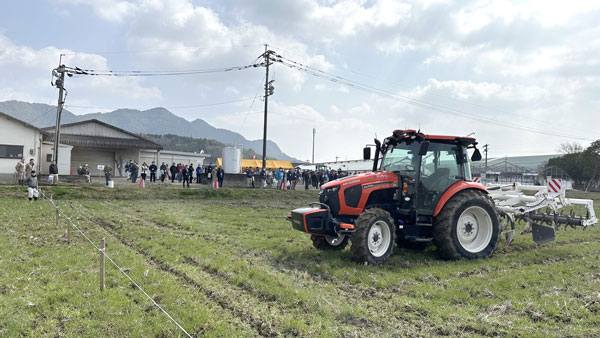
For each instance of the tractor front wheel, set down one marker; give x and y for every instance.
(329, 243)
(373, 240)
(467, 227)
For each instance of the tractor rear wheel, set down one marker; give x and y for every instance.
(373, 240)
(467, 227)
(329, 243)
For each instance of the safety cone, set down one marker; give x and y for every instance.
(215, 185)
(142, 184)
(284, 185)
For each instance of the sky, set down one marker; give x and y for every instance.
(521, 76)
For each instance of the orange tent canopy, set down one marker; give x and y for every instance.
(271, 164)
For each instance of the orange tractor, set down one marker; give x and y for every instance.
(419, 192)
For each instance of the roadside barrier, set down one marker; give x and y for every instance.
(102, 255)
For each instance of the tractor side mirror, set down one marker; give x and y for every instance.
(476, 155)
(366, 153)
(423, 148)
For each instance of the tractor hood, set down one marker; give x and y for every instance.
(366, 179)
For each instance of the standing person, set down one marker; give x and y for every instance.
(153, 168)
(128, 170)
(107, 172)
(53, 170)
(173, 171)
(220, 176)
(314, 178)
(185, 177)
(198, 173)
(213, 174)
(133, 168)
(248, 177)
(144, 171)
(306, 178)
(279, 177)
(191, 173)
(29, 167)
(32, 185)
(163, 172)
(263, 178)
(86, 173)
(180, 167)
(20, 169)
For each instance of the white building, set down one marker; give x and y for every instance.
(17, 139)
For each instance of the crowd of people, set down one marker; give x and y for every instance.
(311, 179)
(182, 173)
(27, 176)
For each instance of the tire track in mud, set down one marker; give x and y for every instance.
(351, 290)
(263, 328)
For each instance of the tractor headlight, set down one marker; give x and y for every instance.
(330, 190)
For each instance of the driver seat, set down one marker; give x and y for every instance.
(433, 182)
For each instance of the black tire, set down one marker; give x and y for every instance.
(329, 243)
(479, 228)
(403, 243)
(380, 225)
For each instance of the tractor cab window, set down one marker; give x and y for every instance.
(440, 168)
(401, 159)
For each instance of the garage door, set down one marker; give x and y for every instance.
(93, 157)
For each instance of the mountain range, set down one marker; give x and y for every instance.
(156, 121)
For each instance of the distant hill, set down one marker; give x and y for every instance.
(156, 121)
(189, 144)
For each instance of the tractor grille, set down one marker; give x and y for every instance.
(332, 199)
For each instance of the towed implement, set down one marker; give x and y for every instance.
(420, 192)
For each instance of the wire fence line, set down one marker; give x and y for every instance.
(102, 250)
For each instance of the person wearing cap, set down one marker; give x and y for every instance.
(53, 170)
(32, 185)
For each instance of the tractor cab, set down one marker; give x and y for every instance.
(426, 165)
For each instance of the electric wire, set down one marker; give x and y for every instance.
(415, 102)
(68, 218)
(140, 73)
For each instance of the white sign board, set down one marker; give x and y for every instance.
(100, 167)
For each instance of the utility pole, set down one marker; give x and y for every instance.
(268, 92)
(485, 149)
(313, 153)
(58, 72)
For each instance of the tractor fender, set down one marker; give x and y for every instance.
(453, 190)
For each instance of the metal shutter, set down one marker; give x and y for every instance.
(92, 157)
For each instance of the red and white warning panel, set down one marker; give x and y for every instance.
(477, 179)
(555, 185)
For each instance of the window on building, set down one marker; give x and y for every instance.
(9, 151)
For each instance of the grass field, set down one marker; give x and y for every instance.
(226, 263)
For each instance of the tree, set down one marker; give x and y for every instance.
(570, 148)
(583, 166)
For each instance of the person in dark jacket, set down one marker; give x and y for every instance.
(191, 173)
(163, 172)
(220, 176)
(32, 185)
(53, 170)
(173, 171)
(153, 168)
(133, 169)
(185, 176)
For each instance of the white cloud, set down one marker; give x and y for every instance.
(110, 10)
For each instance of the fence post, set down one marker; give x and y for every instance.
(102, 248)
(51, 204)
(56, 206)
(68, 229)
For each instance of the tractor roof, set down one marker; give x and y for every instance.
(411, 133)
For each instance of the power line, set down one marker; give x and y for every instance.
(415, 102)
(138, 73)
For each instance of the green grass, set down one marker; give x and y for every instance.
(226, 263)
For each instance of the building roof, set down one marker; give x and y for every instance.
(104, 142)
(22, 122)
(174, 152)
(531, 162)
(137, 141)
